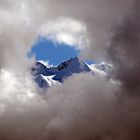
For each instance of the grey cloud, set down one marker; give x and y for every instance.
(124, 52)
(74, 111)
(98, 15)
(91, 109)
(24, 21)
(84, 107)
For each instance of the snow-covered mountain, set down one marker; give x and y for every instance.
(47, 77)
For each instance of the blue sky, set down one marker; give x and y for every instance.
(55, 53)
(47, 50)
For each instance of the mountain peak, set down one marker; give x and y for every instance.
(71, 61)
(60, 72)
(46, 77)
(69, 67)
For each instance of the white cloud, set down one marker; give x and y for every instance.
(46, 63)
(66, 30)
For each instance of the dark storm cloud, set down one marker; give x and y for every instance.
(124, 51)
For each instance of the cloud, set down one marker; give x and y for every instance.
(97, 15)
(59, 112)
(89, 109)
(67, 31)
(123, 52)
(16, 35)
(46, 63)
(85, 107)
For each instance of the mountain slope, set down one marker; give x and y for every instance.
(67, 68)
(47, 77)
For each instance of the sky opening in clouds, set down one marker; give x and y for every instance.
(55, 53)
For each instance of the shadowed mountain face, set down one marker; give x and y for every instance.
(67, 68)
(46, 77)
(59, 73)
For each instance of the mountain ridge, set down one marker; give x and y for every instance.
(47, 77)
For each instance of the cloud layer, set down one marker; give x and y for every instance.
(66, 31)
(85, 107)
